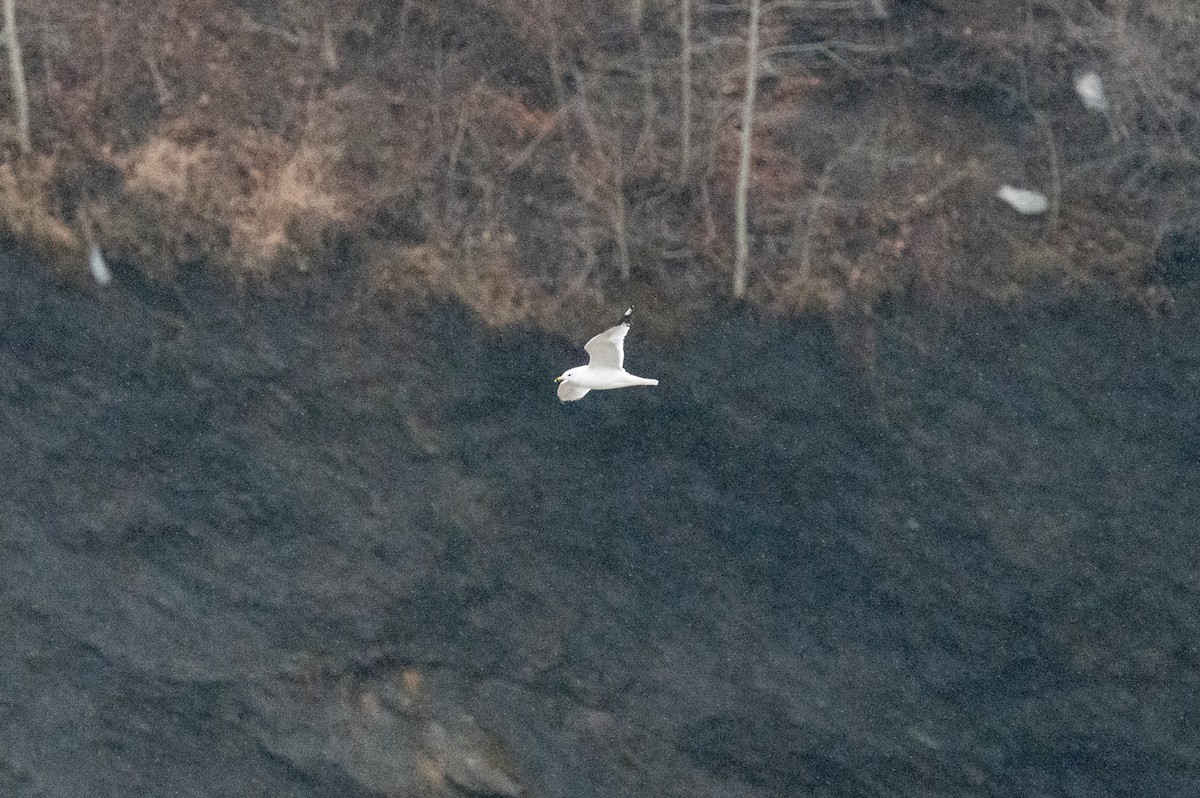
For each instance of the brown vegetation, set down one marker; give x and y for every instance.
(522, 154)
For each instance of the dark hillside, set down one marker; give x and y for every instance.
(301, 542)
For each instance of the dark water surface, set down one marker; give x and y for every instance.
(313, 545)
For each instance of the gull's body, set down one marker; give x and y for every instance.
(605, 369)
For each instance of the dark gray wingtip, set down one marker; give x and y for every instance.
(628, 315)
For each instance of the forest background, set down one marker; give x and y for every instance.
(526, 155)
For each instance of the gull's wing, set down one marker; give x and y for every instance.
(607, 350)
(569, 391)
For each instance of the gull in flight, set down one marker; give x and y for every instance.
(605, 368)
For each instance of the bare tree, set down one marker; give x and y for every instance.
(741, 209)
(16, 70)
(685, 81)
(600, 179)
(646, 70)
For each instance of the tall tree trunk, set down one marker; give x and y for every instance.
(16, 72)
(685, 87)
(741, 209)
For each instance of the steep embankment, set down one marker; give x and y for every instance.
(294, 545)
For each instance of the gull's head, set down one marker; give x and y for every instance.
(568, 374)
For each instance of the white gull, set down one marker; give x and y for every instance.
(605, 368)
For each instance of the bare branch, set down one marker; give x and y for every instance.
(16, 73)
(685, 78)
(827, 48)
(1055, 171)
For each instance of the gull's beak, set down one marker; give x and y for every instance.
(558, 379)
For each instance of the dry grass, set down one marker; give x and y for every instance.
(263, 198)
(298, 191)
(485, 278)
(28, 214)
(486, 281)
